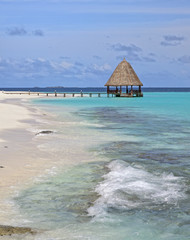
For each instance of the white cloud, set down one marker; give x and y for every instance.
(66, 65)
(29, 67)
(184, 59)
(132, 53)
(21, 31)
(95, 69)
(172, 40)
(102, 68)
(16, 31)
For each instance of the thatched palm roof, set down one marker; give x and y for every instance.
(124, 75)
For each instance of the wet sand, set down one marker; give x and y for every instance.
(20, 158)
(23, 157)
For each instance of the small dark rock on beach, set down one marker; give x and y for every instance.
(44, 132)
(9, 230)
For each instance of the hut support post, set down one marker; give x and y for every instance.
(139, 89)
(131, 90)
(120, 89)
(127, 90)
(108, 89)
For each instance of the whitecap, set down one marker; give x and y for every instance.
(128, 187)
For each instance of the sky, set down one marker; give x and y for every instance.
(79, 43)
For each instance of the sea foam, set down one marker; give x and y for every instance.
(128, 187)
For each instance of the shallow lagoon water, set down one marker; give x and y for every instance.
(136, 187)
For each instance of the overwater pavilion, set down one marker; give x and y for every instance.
(124, 76)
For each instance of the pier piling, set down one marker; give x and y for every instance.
(59, 94)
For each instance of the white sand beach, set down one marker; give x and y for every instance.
(23, 156)
(18, 150)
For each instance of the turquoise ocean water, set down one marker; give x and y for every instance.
(135, 185)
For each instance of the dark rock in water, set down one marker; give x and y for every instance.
(44, 132)
(84, 201)
(9, 230)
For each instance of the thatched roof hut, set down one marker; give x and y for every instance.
(124, 75)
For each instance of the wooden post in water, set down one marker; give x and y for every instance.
(73, 94)
(108, 95)
(81, 94)
(29, 92)
(55, 93)
(132, 90)
(90, 94)
(108, 89)
(98, 94)
(127, 90)
(64, 95)
(47, 94)
(38, 94)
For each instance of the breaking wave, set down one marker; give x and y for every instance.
(128, 187)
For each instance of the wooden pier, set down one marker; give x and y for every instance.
(75, 94)
(61, 94)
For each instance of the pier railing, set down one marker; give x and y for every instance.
(62, 94)
(76, 94)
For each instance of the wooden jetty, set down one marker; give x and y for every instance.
(61, 94)
(68, 94)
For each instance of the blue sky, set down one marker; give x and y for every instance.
(80, 42)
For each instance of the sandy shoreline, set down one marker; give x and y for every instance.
(20, 158)
(24, 156)
(28, 158)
